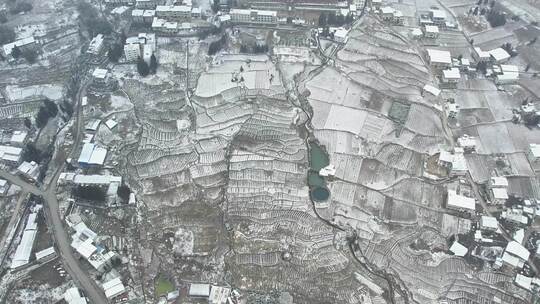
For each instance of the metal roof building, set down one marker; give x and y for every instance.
(113, 288)
(199, 290)
(24, 249)
(73, 296)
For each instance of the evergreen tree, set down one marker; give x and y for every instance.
(115, 52)
(142, 67)
(153, 64)
(323, 20)
(16, 52)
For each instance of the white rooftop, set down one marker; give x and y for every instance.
(535, 149)
(432, 29)
(460, 201)
(523, 281)
(489, 222)
(500, 193)
(111, 124)
(100, 73)
(517, 250)
(458, 249)
(387, 10)
(45, 253)
(73, 296)
(199, 290)
(499, 181)
(438, 14)
(438, 56)
(499, 54)
(480, 53)
(452, 73)
(18, 137)
(433, 90)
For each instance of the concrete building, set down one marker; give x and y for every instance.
(387, 14)
(29, 170)
(120, 11)
(533, 154)
(10, 155)
(458, 249)
(199, 290)
(18, 138)
(440, 59)
(499, 55)
(23, 44)
(164, 26)
(438, 17)
(148, 16)
(132, 52)
(87, 180)
(148, 51)
(4, 186)
(24, 248)
(253, 16)
(92, 155)
(508, 74)
(451, 75)
(196, 12)
(219, 295)
(515, 216)
(137, 15)
(480, 56)
(113, 288)
(431, 31)
(96, 45)
(489, 223)
(74, 296)
(100, 75)
(460, 203)
(515, 255)
(45, 254)
(498, 196)
(148, 4)
(468, 143)
(341, 35)
(173, 12)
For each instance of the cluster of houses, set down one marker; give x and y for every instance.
(163, 18)
(85, 243)
(494, 60)
(511, 214)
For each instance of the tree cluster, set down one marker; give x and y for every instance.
(216, 46)
(7, 34)
(30, 55)
(496, 18)
(90, 193)
(115, 52)
(482, 67)
(47, 111)
(90, 18)
(142, 67)
(67, 107)
(215, 6)
(331, 19)
(32, 153)
(123, 192)
(257, 49)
